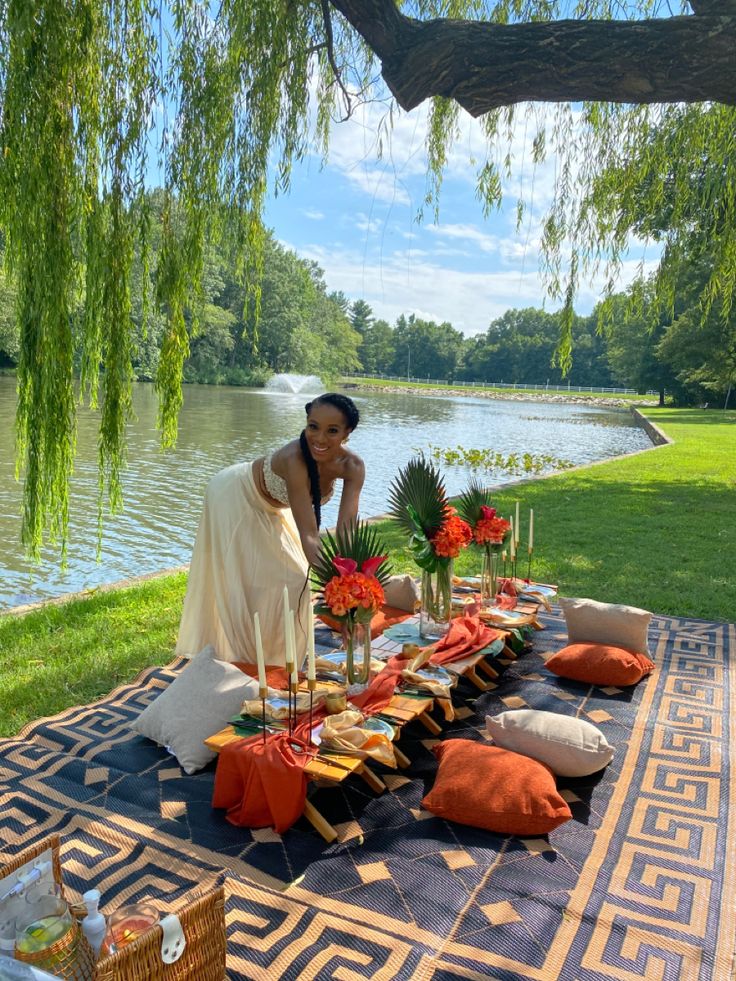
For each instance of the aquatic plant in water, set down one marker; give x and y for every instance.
(490, 460)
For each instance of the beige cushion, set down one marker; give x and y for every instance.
(591, 622)
(196, 705)
(402, 593)
(569, 746)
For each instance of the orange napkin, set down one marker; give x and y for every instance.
(262, 784)
(381, 690)
(466, 636)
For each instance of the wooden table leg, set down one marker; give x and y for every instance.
(429, 723)
(371, 778)
(476, 680)
(486, 667)
(319, 823)
(401, 758)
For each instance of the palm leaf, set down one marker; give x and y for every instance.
(472, 500)
(417, 499)
(358, 541)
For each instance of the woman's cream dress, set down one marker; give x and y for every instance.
(245, 552)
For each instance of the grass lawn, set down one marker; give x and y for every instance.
(656, 530)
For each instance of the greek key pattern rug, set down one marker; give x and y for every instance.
(640, 884)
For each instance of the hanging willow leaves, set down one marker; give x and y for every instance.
(101, 98)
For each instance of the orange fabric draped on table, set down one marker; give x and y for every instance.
(262, 784)
(467, 635)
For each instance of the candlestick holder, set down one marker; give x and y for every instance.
(293, 688)
(311, 685)
(529, 567)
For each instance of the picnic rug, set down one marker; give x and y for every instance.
(640, 884)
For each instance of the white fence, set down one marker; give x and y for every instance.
(546, 387)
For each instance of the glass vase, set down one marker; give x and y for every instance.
(357, 637)
(436, 602)
(489, 577)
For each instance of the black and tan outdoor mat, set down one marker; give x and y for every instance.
(640, 884)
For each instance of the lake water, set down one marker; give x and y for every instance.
(220, 426)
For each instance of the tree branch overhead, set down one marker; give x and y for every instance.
(483, 66)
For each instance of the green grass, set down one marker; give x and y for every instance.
(657, 530)
(477, 388)
(74, 653)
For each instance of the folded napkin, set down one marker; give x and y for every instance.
(467, 635)
(323, 663)
(345, 732)
(436, 688)
(262, 784)
(277, 706)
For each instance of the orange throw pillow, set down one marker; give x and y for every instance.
(495, 789)
(600, 664)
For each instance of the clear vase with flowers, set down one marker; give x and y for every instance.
(437, 535)
(350, 575)
(490, 533)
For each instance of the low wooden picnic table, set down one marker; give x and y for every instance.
(336, 767)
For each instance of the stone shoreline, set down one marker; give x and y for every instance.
(578, 397)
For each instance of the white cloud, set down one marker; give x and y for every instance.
(313, 214)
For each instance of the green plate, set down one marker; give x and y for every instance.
(380, 725)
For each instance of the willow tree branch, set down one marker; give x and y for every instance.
(483, 66)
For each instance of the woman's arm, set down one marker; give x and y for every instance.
(300, 502)
(352, 485)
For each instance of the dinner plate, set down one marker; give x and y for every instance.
(373, 723)
(380, 725)
(404, 633)
(433, 672)
(531, 590)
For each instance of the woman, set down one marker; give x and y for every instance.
(259, 531)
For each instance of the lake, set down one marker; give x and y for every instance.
(219, 426)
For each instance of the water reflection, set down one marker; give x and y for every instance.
(218, 426)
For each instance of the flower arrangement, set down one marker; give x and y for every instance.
(350, 575)
(489, 533)
(437, 534)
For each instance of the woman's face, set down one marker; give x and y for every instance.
(325, 430)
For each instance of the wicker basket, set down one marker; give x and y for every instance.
(203, 923)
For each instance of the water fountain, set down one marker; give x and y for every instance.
(286, 382)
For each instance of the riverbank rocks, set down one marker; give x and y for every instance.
(478, 393)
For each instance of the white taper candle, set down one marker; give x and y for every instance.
(311, 667)
(288, 650)
(531, 529)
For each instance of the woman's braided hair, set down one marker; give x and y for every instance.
(352, 418)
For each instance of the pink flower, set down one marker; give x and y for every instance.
(344, 566)
(487, 512)
(370, 566)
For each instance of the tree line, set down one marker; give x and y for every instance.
(304, 328)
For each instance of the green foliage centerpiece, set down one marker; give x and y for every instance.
(489, 534)
(418, 503)
(350, 574)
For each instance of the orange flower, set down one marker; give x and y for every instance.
(348, 592)
(453, 536)
(491, 530)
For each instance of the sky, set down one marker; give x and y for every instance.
(356, 217)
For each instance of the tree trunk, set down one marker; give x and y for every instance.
(482, 65)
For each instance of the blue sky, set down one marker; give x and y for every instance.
(356, 218)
